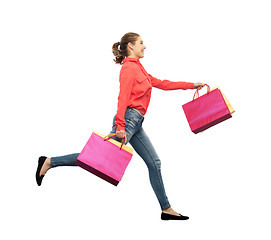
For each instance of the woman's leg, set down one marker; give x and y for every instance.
(66, 160)
(143, 146)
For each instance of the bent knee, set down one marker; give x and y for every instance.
(155, 164)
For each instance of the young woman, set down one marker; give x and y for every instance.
(134, 97)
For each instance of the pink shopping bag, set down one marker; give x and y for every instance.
(206, 111)
(105, 157)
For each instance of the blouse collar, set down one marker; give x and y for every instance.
(136, 61)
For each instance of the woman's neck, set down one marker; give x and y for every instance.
(133, 56)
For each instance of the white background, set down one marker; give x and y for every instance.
(59, 82)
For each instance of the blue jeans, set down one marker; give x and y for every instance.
(139, 140)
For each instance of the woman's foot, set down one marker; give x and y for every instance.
(44, 165)
(170, 211)
(170, 214)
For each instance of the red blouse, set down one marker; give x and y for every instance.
(135, 89)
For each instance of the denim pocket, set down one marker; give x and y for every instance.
(134, 116)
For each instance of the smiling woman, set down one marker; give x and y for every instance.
(133, 101)
(130, 45)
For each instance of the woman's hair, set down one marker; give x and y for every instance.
(122, 52)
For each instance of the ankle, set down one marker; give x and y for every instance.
(47, 163)
(168, 210)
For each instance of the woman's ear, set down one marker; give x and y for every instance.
(130, 46)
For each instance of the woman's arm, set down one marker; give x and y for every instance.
(126, 84)
(168, 85)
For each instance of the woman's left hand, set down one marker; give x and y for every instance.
(199, 85)
(120, 134)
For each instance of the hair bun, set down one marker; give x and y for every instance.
(115, 49)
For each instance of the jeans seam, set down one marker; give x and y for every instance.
(161, 185)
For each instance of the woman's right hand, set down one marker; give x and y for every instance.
(120, 134)
(199, 85)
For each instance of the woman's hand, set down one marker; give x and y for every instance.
(199, 85)
(120, 134)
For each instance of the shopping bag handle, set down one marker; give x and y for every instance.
(111, 135)
(197, 91)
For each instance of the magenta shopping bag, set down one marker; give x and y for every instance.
(206, 111)
(105, 157)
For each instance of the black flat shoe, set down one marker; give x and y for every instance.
(38, 177)
(165, 216)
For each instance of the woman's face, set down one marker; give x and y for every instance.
(137, 49)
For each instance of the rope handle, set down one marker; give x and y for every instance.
(111, 135)
(197, 91)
